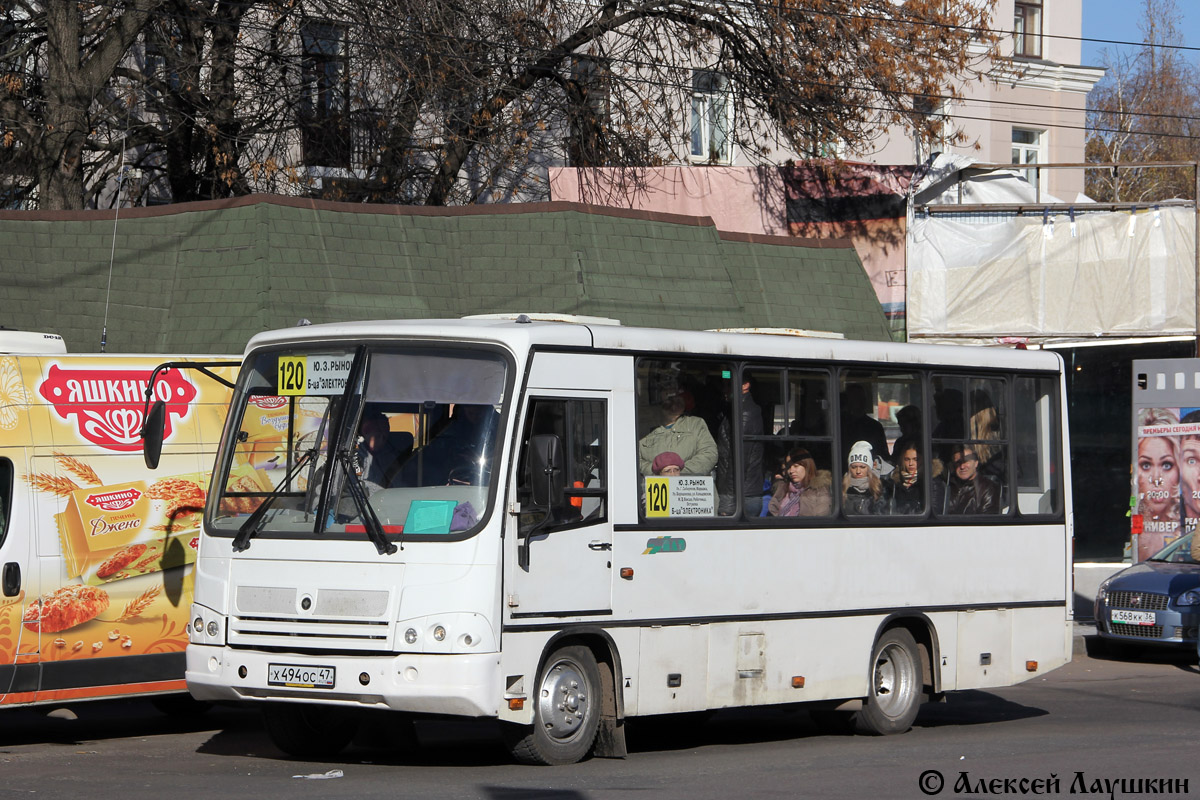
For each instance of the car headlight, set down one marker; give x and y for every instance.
(1189, 598)
(1102, 592)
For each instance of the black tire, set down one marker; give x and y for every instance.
(310, 731)
(895, 691)
(566, 712)
(179, 705)
(832, 722)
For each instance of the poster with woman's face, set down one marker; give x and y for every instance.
(1166, 477)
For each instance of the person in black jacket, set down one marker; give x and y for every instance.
(752, 458)
(905, 485)
(970, 491)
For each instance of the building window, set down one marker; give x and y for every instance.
(325, 95)
(712, 117)
(1028, 147)
(1027, 28)
(588, 112)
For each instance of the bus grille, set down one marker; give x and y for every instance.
(310, 634)
(1144, 601)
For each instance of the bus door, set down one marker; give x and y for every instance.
(561, 556)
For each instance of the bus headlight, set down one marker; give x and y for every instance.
(208, 627)
(447, 632)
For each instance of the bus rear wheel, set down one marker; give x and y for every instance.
(566, 714)
(895, 690)
(310, 731)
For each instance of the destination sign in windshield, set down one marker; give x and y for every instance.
(313, 375)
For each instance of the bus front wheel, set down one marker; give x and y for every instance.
(895, 691)
(309, 731)
(566, 714)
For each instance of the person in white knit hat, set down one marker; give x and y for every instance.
(862, 491)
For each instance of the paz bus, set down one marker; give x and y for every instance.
(563, 525)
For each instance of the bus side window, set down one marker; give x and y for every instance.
(6, 489)
(687, 451)
(580, 494)
(1036, 432)
(972, 412)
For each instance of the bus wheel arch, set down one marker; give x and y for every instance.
(584, 650)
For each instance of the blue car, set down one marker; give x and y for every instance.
(1156, 602)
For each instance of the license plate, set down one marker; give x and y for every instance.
(1133, 617)
(300, 677)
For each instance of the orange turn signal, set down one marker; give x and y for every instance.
(1031, 666)
(797, 681)
(627, 573)
(516, 703)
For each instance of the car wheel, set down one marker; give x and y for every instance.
(894, 694)
(566, 713)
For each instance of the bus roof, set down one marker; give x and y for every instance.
(522, 334)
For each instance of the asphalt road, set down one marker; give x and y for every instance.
(1098, 719)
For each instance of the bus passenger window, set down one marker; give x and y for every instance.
(797, 447)
(1036, 429)
(686, 454)
(880, 412)
(971, 445)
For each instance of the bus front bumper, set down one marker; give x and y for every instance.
(461, 685)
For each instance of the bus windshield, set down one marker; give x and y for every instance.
(344, 441)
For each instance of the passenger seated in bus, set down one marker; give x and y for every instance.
(862, 491)
(800, 489)
(984, 427)
(970, 491)
(375, 456)
(668, 464)
(681, 434)
(905, 486)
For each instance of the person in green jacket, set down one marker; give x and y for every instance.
(679, 433)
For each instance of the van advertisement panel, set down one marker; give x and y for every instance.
(1166, 477)
(109, 571)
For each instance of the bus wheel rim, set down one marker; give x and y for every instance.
(894, 678)
(563, 701)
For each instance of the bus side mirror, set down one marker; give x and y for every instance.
(152, 433)
(546, 470)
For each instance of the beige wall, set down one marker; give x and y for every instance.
(1046, 95)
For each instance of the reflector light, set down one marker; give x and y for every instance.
(797, 681)
(627, 573)
(1031, 666)
(516, 703)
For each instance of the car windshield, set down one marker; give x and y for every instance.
(411, 432)
(1177, 552)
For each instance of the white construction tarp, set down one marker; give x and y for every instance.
(1105, 273)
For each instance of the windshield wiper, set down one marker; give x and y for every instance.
(371, 522)
(252, 524)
